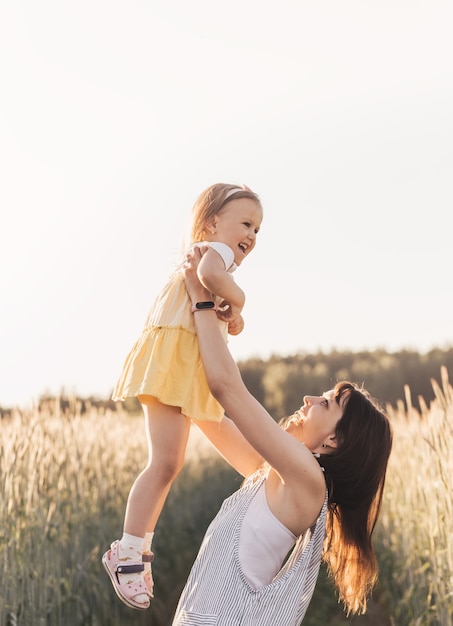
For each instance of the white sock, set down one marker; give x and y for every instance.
(146, 549)
(131, 549)
(132, 546)
(147, 542)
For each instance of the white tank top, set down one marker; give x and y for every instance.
(264, 542)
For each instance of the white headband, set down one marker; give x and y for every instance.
(232, 192)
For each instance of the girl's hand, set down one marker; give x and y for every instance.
(236, 326)
(227, 312)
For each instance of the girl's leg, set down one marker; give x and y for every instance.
(167, 434)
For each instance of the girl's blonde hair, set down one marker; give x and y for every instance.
(211, 202)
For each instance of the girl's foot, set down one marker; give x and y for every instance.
(129, 587)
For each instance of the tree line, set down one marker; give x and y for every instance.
(280, 382)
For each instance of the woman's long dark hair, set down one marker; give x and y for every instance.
(355, 474)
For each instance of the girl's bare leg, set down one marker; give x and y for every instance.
(167, 434)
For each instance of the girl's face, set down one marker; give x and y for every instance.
(315, 422)
(237, 225)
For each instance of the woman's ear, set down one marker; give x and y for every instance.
(332, 442)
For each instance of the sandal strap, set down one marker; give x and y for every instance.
(148, 557)
(134, 568)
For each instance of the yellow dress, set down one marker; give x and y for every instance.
(165, 361)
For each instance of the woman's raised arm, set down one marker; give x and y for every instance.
(231, 444)
(288, 456)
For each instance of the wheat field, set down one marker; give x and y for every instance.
(415, 539)
(65, 477)
(58, 472)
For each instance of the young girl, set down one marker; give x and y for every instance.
(165, 372)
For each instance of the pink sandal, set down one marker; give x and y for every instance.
(126, 592)
(148, 557)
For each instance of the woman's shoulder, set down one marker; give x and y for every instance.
(300, 499)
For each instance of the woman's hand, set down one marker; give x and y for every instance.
(230, 314)
(197, 292)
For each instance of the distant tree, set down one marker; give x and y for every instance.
(280, 382)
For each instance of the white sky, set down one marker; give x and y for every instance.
(115, 115)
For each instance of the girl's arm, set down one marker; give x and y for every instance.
(213, 275)
(231, 445)
(286, 455)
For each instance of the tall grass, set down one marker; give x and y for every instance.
(415, 540)
(65, 478)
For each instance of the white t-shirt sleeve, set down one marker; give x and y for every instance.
(225, 252)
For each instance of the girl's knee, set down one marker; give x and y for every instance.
(166, 468)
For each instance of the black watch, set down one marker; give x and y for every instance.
(202, 306)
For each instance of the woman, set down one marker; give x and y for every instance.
(317, 496)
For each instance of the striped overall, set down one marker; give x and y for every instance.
(218, 594)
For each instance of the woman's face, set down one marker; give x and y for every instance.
(315, 422)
